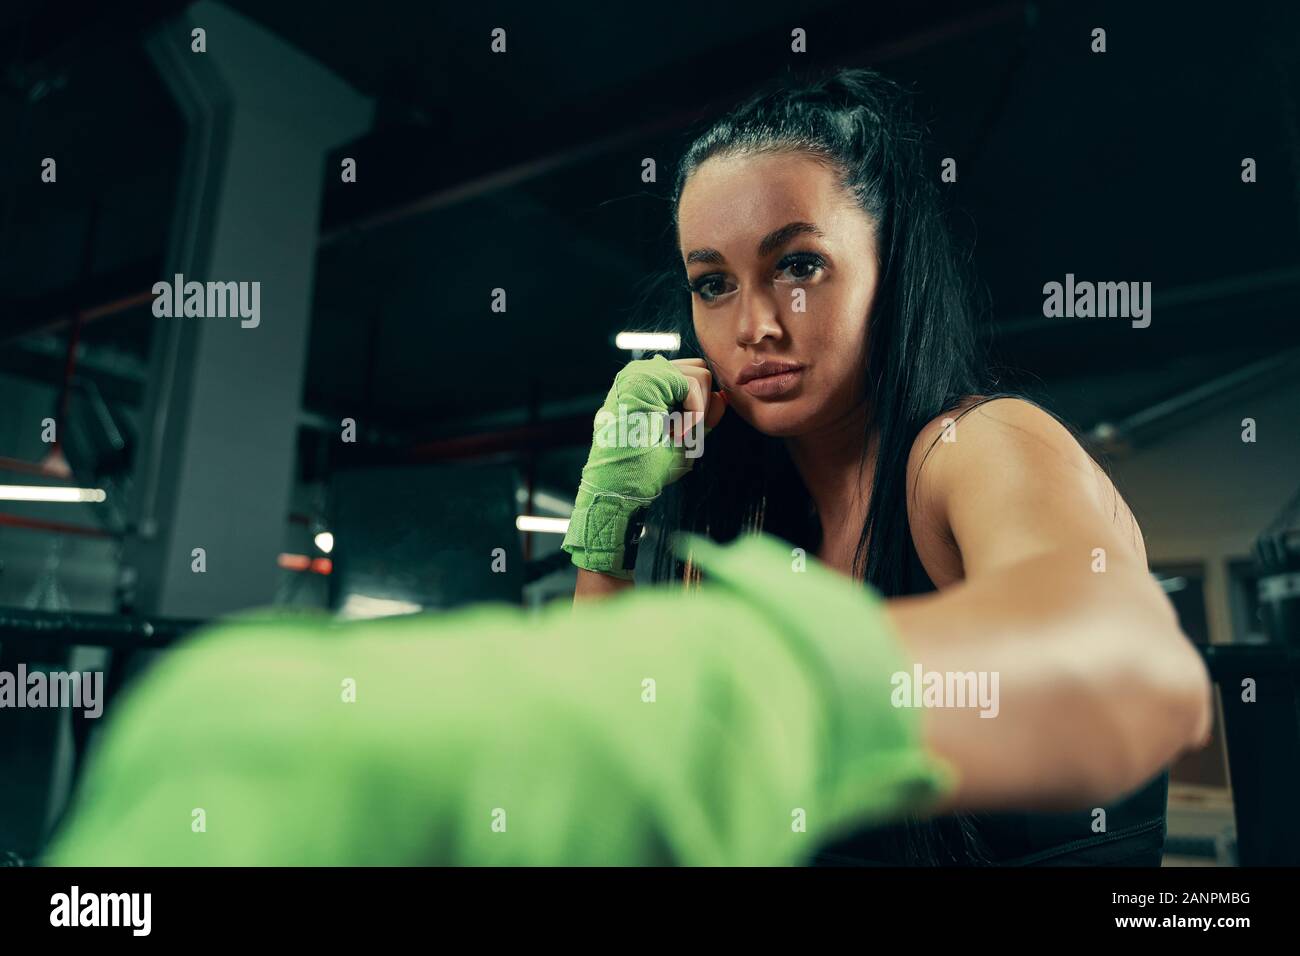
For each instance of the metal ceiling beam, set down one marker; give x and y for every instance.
(549, 128)
(1145, 425)
(1200, 293)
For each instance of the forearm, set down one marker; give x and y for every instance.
(594, 585)
(1098, 687)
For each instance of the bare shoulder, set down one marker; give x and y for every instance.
(998, 467)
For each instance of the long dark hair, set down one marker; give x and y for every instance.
(922, 357)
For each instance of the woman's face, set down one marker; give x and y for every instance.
(783, 269)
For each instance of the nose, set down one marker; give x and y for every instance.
(759, 318)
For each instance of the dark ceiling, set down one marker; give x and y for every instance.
(522, 172)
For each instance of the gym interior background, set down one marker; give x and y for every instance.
(382, 428)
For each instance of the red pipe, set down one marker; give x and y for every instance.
(59, 527)
(561, 431)
(26, 467)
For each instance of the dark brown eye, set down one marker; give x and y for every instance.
(799, 266)
(709, 287)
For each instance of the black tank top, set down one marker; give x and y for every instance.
(1134, 833)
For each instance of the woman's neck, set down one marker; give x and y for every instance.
(837, 474)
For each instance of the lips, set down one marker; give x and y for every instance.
(764, 370)
(770, 379)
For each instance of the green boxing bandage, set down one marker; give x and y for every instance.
(632, 460)
(875, 764)
(749, 722)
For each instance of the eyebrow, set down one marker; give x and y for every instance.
(773, 240)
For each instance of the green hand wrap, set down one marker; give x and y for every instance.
(840, 632)
(630, 463)
(656, 727)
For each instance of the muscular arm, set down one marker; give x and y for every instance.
(1099, 688)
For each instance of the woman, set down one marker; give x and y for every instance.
(829, 304)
